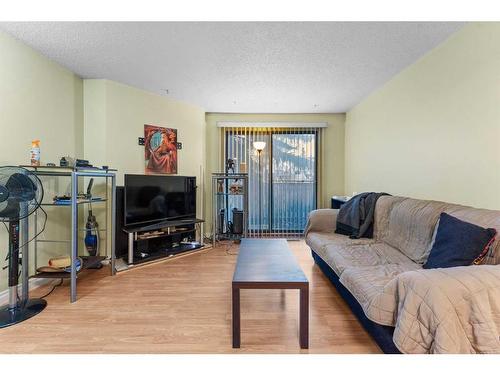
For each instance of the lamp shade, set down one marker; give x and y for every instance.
(259, 145)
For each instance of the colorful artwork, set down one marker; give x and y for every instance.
(160, 149)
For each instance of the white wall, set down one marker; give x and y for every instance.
(433, 131)
(38, 100)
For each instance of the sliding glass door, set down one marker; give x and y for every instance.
(282, 179)
(293, 180)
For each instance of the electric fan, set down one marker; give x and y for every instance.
(21, 193)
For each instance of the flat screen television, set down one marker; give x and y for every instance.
(151, 199)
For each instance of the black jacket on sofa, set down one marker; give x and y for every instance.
(355, 218)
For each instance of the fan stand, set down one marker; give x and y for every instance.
(17, 310)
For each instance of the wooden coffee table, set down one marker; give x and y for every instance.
(269, 264)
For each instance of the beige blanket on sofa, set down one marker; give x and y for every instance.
(450, 310)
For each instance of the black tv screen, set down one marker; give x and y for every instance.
(150, 198)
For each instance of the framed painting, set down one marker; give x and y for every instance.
(160, 150)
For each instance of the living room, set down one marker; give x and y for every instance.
(249, 187)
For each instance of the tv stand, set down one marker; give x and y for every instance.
(163, 239)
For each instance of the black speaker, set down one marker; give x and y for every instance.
(121, 238)
(221, 221)
(237, 221)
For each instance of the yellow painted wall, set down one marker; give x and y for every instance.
(38, 100)
(433, 131)
(94, 108)
(332, 174)
(115, 115)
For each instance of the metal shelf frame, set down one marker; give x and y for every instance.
(74, 174)
(220, 200)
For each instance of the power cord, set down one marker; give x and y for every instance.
(228, 248)
(53, 288)
(227, 243)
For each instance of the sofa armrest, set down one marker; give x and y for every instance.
(322, 220)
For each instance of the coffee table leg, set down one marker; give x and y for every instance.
(304, 317)
(236, 317)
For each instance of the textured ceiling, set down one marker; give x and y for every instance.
(250, 67)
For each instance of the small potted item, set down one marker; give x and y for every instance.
(230, 166)
(236, 188)
(220, 186)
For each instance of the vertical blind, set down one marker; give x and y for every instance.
(283, 189)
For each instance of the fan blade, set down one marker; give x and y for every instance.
(21, 187)
(3, 205)
(4, 193)
(11, 210)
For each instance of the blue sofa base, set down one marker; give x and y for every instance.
(381, 334)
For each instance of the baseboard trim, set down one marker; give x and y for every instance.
(33, 283)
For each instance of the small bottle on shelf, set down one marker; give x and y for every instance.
(35, 153)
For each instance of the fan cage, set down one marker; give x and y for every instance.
(7, 175)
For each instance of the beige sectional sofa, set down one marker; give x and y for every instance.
(451, 310)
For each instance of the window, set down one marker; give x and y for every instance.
(283, 183)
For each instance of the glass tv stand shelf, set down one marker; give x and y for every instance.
(168, 238)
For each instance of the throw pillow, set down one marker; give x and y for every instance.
(459, 243)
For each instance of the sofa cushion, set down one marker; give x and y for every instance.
(458, 243)
(383, 210)
(411, 225)
(327, 252)
(317, 241)
(373, 289)
(362, 255)
(326, 244)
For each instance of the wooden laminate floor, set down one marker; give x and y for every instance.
(184, 306)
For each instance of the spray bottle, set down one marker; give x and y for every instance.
(35, 152)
